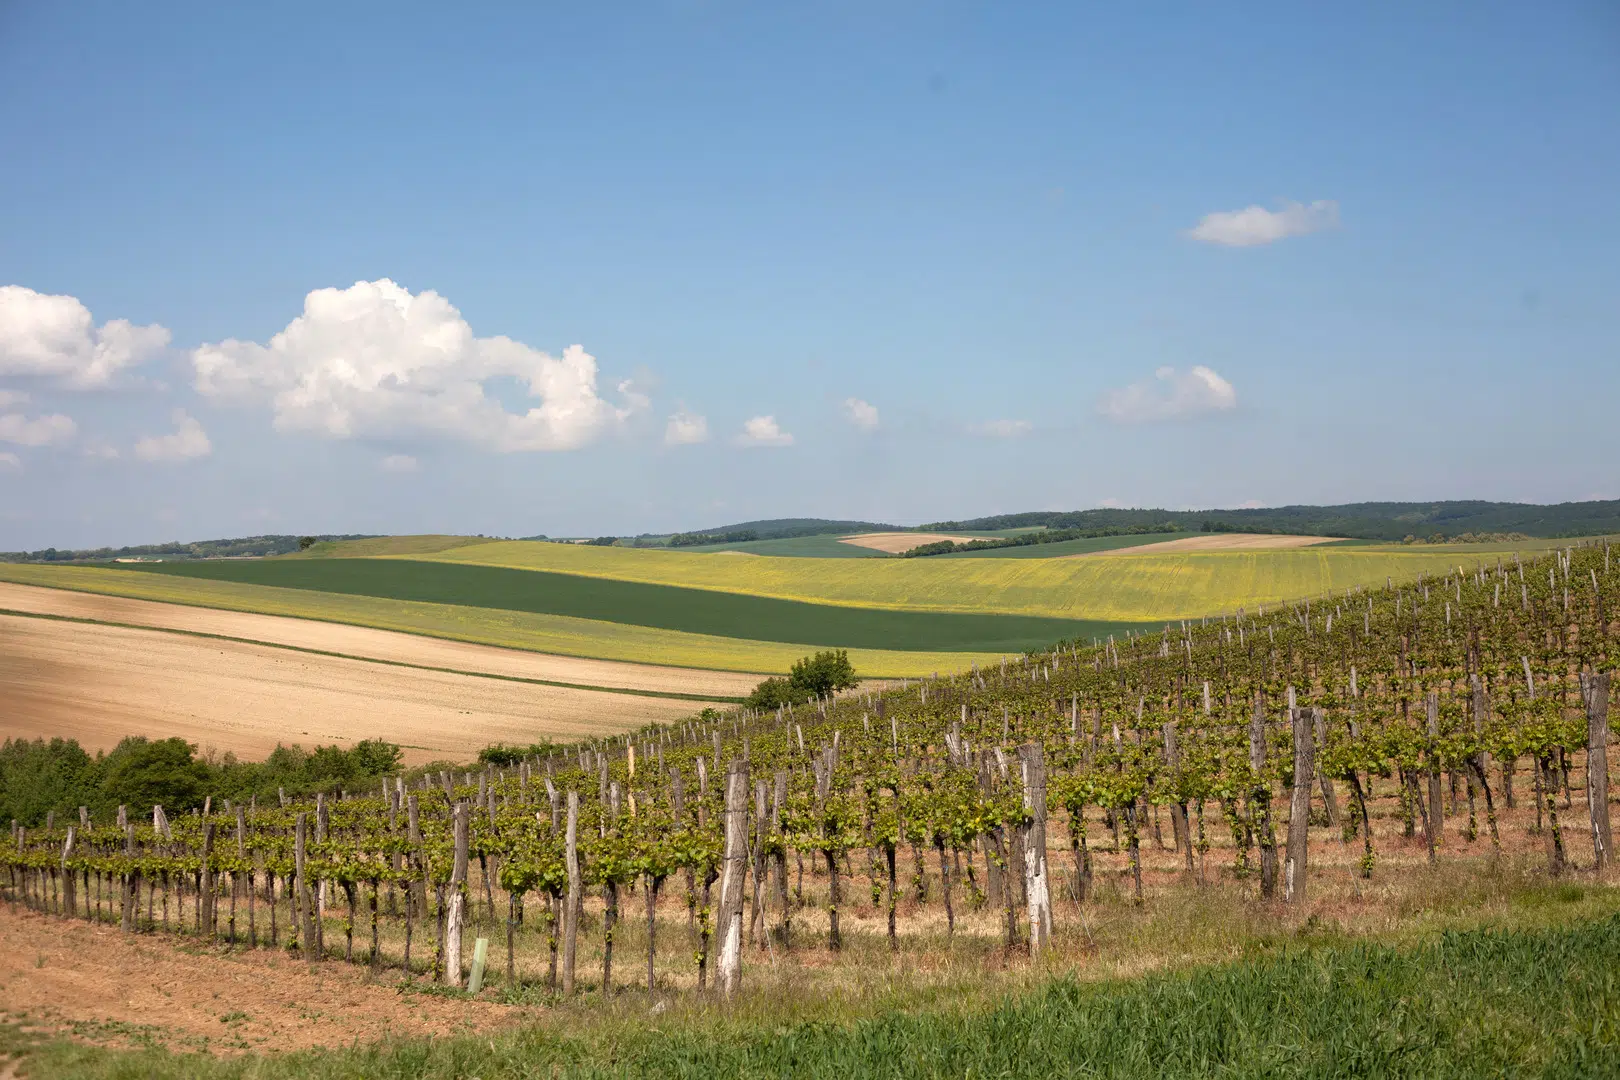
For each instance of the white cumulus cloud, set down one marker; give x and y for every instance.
(10, 462)
(374, 360)
(1169, 395)
(40, 431)
(55, 337)
(860, 413)
(1002, 429)
(1256, 225)
(188, 441)
(685, 428)
(763, 431)
(399, 463)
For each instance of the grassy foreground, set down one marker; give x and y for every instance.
(1103, 587)
(1541, 1002)
(558, 634)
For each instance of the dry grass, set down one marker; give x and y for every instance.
(894, 543)
(99, 684)
(371, 644)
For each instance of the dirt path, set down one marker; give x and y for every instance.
(94, 983)
(98, 684)
(372, 644)
(1213, 542)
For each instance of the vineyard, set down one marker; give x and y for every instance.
(1460, 715)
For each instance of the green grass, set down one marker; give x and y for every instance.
(1518, 1003)
(700, 611)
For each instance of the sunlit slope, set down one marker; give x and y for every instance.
(559, 634)
(422, 544)
(1128, 588)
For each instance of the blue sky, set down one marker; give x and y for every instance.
(897, 261)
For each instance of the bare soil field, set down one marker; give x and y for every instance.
(894, 543)
(1214, 542)
(98, 684)
(91, 982)
(372, 644)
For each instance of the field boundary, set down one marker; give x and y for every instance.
(672, 695)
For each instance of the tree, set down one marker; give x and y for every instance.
(810, 678)
(823, 673)
(305, 543)
(773, 693)
(140, 773)
(37, 776)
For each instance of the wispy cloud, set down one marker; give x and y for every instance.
(40, 431)
(863, 415)
(1169, 395)
(685, 429)
(763, 431)
(1254, 225)
(399, 463)
(10, 462)
(1002, 429)
(188, 441)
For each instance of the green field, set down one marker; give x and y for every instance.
(1105, 588)
(797, 547)
(900, 617)
(664, 607)
(559, 634)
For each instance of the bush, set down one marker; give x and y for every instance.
(140, 772)
(37, 776)
(810, 678)
(823, 673)
(504, 757)
(773, 693)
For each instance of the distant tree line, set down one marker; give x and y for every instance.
(37, 777)
(1047, 536)
(735, 536)
(1387, 521)
(197, 549)
(1468, 538)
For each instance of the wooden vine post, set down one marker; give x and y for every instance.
(206, 898)
(1299, 813)
(1435, 822)
(303, 896)
(1178, 809)
(70, 906)
(571, 904)
(1597, 764)
(733, 878)
(455, 912)
(1035, 876)
(1260, 800)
